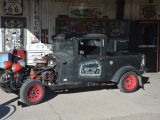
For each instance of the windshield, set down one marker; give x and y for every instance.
(63, 44)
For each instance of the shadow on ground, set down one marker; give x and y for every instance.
(52, 94)
(5, 108)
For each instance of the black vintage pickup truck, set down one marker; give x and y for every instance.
(77, 61)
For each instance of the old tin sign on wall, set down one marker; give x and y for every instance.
(13, 7)
(85, 12)
(148, 12)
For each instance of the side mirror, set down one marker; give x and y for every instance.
(81, 52)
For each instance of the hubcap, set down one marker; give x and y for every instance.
(130, 82)
(34, 93)
(127, 81)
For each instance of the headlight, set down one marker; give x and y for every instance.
(54, 58)
(51, 62)
(143, 62)
(16, 67)
(7, 65)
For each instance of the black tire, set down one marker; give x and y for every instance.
(32, 92)
(128, 82)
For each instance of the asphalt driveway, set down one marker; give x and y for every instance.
(94, 103)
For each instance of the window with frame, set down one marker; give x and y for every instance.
(89, 46)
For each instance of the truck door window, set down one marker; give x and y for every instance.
(63, 44)
(90, 47)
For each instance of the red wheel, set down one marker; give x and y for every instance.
(128, 82)
(32, 92)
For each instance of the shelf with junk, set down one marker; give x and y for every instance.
(118, 35)
(13, 39)
(81, 26)
(13, 33)
(118, 29)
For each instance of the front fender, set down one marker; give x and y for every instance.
(122, 71)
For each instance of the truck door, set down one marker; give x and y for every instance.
(89, 60)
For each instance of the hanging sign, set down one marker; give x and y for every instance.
(13, 7)
(85, 12)
(35, 20)
(148, 12)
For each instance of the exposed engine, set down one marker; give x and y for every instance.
(45, 70)
(15, 75)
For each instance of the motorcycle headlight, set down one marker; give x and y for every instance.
(7, 65)
(13, 68)
(143, 62)
(16, 67)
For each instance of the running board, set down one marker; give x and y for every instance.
(68, 85)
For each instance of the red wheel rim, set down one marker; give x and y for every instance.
(130, 82)
(34, 93)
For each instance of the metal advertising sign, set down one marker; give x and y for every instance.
(148, 12)
(35, 20)
(85, 12)
(13, 7)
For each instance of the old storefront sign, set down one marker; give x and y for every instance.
(85, 12)
(35, 20)
(148, 12)
(84, 27)
(81, 27)
(13, 7)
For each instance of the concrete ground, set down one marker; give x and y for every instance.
(94, 103)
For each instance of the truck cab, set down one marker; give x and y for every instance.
(83, 55)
